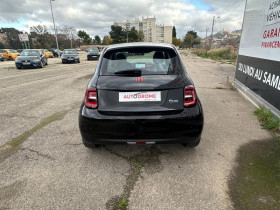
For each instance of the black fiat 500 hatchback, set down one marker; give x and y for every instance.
(141, 94)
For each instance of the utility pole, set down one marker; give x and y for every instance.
(54, 25)
(206, 38)
(71, 37)
(126, 34)
(212, 30)
(127, 27)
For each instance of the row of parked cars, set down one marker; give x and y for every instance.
(71, 55)
(10, 54)
(39, 58)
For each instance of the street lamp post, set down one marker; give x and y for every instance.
(212, 30)
(54, 25)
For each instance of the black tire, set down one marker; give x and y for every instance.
(18, 67)
(78, 60)
(46, 63)
(10, 58)
(192, 144)
(41, 65)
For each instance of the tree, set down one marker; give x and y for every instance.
(66, 36)
(190, 39)
(2, 46)
(141, 36)
(41, 38)
(193, 33)
(196, 41)
(12, 37)
(117, 34)
(97, 39)
(133, 35)
(86, 39)
(176, 42)
(107, 40)
(174, 32)
(120, 35)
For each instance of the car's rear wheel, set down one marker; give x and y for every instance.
(192, 144)
(78, 61)
(10, 58)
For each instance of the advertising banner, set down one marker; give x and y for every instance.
(258, 63)
(23, 37)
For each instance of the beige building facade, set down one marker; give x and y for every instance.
(151, 31)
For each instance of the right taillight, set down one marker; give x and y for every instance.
(189, 96)
(91, 98)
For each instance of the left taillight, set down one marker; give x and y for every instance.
(91, 98)
(190, 97)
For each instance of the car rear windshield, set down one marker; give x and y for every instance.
(93, 50)
(147, 60)
(67, 52)
(29, 53)
(12, 51)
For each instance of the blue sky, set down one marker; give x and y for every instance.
(15, 24)
(200, 5)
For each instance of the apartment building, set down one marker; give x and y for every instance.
(151, 31)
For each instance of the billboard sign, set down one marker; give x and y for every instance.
(23, 37)
(258, 63)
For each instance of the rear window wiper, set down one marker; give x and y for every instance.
(129, 72)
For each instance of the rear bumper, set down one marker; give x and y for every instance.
(185, 127)
(32, 64)
(92, 57)
(69, 61)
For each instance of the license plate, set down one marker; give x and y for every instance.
(26, 63)
(70, 59)
(139, 96)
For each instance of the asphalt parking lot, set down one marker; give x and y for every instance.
(53, 170)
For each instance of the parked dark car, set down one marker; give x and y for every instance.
(31, 58)
(93, 54)
(1, 57)
(70, 56)
(19, 50)
(144, 98)
(55, 52)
